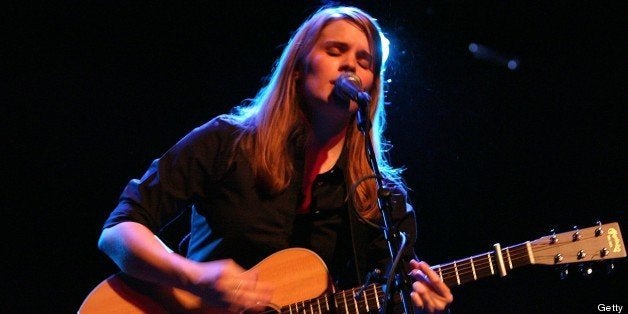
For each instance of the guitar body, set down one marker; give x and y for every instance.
(296, 273)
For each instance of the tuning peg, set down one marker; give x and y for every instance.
(553, 238)
(604, 252)
(558, 258)
(576, 235)
(581, 254)
(598, 230)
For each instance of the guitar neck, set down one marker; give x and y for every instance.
(484, 265)
(454, 273)
(359, 300)
(585, 245)
(590, 244)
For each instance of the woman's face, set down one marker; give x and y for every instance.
(341, 47)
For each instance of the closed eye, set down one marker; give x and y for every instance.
(365, 59)
(334, 48)
(334, 52)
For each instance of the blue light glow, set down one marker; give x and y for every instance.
(385, 48)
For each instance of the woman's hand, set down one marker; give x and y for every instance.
(429, 292)
(224, 283)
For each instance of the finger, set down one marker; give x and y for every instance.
(416, 299)
(416, 271)
(439, 294)
(252, 293)
(256, 297)
(425, 295)
(235, 292)
(430, 301)
(237, 287)
(228, 277)
(419, 276)
(435, 281)
(427, 270)
(414, 263)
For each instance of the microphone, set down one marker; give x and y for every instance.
(348, 86)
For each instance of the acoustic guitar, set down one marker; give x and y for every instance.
(302, 282)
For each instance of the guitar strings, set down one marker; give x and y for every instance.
(369, 295)
(342, 299)
(468, 269)
(515, 255)
(457, 271)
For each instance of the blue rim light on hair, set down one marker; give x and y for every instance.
(385, 48)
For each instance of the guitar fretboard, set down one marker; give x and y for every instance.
(484, 265)
(458, 272)
(356, 300)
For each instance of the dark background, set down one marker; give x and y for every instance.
(97, 90)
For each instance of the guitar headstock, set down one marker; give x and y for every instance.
(601, 242)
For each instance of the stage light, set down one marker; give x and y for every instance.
(485, 53)
(513, 64)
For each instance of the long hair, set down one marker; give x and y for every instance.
(274, 117)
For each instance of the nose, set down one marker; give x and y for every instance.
(349, 64)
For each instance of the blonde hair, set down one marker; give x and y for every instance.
(274, 117)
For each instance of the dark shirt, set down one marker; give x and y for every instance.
(231, 218)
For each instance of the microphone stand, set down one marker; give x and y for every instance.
(391, 233)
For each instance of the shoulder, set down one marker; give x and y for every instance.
(222, 124)
(221, 129)
(216, 136)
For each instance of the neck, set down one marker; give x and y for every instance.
(323, 149)
(328, 126)
(328, 129)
